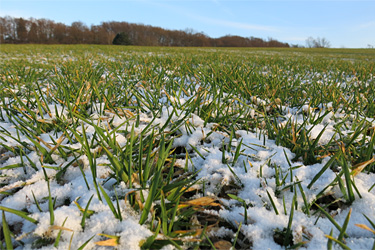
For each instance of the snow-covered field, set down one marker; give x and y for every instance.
(138, 148)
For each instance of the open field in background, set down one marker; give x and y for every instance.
(192, 148)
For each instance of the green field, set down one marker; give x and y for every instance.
(191, 148)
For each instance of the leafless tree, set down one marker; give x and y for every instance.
(317, 42)
(18, 30)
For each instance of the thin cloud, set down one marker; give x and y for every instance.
(294, 38)
(15, 13)
(223, 8)
(214, 21)
(367, 25)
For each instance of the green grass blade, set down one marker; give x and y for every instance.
(197, 151)
(344, 226)
(368, 219)
(6, 233)
(120, 168)
(84, 244)
(317, 176)
(289, 228)
(118, 206)
(109, 202)
(57, 241)
(338, 242)
(348, 180)
(50, 206)
(36, 202)
(330, 241)
(272, 203)
(306, 203)
(150, 240)
(19, 213)
(86, 213)
(164, 216)
(330, 218)
(153, 189)
(237, 153)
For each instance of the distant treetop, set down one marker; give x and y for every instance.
(19, 30)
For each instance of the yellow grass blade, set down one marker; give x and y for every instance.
(112, 242)
(360, 166)
(363, 226)
(107, 243)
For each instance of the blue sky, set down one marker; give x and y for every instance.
(349, 24)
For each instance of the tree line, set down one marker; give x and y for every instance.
(44, 31)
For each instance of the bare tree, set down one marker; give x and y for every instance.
(322, 43)
(18, 30)
(310, 42)
(317, 43)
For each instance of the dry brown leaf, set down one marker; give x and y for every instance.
(223, 245)
(179, 172)
(190, 189)
(77, 163)
(342, 147)
(126, 113)
(197, 232)
(200, 202)
(135, 178)
(323, 156)
(44, 142)
(363, 226)
(47, 121)
(126, 196)
(278, 101)
(59, 141)
(137, 197)
(54, 227)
